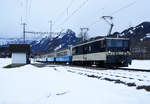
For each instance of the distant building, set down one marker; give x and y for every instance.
(20, 53)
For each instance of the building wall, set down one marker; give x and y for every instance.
(19, 58)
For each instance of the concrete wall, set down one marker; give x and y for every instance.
(18, 58)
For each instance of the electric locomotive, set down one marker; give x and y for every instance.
(107, 52)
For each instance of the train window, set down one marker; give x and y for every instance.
(126, 43)
(64, 53)
(103, 44)
(90, 49)
(80, 50)
(114, 43)
(85, 49)
(96, 46)
(74, 51)
(77, 50)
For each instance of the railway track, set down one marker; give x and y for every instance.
(138, 78)
(130, 69)
(93, 67)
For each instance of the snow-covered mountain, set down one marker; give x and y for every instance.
(6, 41)
(139, 35)
(61, 41)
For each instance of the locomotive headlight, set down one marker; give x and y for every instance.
(109, 52)
(128, 52)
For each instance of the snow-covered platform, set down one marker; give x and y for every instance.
(54, 84)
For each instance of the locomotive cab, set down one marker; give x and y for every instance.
(118, 52)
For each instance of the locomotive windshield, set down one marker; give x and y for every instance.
(114, 43)
(117, 44)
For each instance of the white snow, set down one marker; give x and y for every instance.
(131, 31)
(53, 84)
(140, 64)
(58, 47)
(4, 62)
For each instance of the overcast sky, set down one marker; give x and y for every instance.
(37, 13)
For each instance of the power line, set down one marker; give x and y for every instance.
(30, 4)
(65, 11)
(124, 7)
(115, 12)
(74, 12)
(20, 3)
(93, 23)
(26, 16)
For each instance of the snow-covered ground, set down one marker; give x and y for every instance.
(140, 64)
(55, 84)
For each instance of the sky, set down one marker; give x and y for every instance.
(80, 13)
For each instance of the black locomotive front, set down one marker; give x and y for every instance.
(118, 52)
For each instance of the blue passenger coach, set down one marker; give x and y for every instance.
(64, 55)
(51, 57)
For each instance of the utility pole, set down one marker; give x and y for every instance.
(50, 27)
(109, 22)
(24, 31)
(84, 32)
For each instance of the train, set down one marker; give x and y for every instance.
(104, 52)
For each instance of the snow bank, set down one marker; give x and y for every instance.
(4, 62)
(140, 64)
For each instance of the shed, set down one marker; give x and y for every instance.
(20, 53)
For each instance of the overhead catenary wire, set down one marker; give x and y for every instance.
(74, 12)
(26, 10)
(115, 12)
(30, 5)
(20, 3)
(124, 7)
(64, 11)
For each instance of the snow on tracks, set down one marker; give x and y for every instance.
(140, 80)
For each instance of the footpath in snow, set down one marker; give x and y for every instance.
(53, 84)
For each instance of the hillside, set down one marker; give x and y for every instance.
(140, 39)
(61, 41)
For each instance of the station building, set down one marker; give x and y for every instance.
(20, 53)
